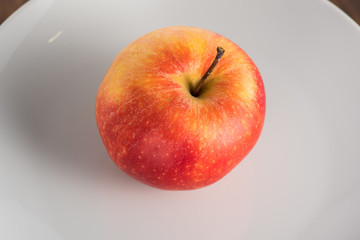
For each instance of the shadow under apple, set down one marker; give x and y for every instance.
(49, 98)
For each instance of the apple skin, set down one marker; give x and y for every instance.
(156, 131)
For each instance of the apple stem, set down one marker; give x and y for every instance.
(220, 53)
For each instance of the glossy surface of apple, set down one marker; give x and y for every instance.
(156, 131)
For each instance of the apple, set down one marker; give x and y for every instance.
(180, 107)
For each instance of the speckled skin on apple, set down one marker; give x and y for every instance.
(156, 131)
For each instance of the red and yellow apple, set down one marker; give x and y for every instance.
(158, 129)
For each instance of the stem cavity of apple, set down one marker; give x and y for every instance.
(220, 53)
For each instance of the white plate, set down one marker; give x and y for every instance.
(301, 181)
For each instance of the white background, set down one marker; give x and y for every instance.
(301, 181)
